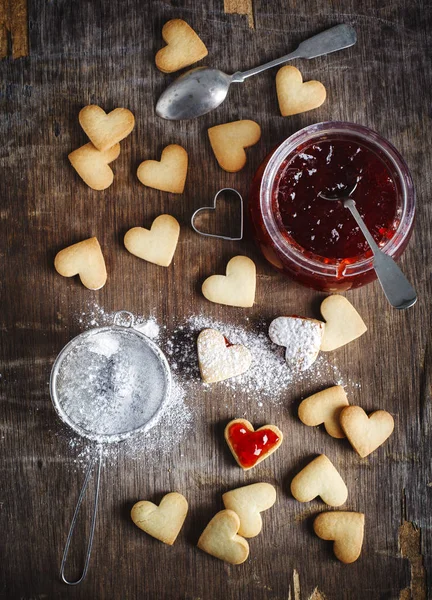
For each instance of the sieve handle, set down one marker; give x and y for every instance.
(93, 460)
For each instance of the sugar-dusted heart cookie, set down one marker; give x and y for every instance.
(157, 244)
(229, 140)
(346, 529)
(302, 338)
(220, 538)
(237, 287)
(184, 47)
(84, 259)
(294, 96)
(343, 323)
(248, 502)
(320, 478)
(162, 522)
(168, 174)
(92, 165)
(105, 130)
(250, 447)
(218, 359)
(325, 407)
(364, 433)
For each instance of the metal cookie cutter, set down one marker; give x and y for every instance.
(214, 235)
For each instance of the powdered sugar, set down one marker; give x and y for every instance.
(217, 361)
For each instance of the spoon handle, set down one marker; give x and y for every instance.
(395, 285)
(337, 38)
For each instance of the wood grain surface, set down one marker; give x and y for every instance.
(102, 52)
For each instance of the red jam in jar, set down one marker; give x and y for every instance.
(317, 241)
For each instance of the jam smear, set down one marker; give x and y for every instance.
(326, 228)
(248, 445)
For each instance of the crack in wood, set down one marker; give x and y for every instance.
(410, 548)
(317, 595)
(240, 7)
(13, 28)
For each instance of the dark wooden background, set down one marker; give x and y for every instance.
(102, 52)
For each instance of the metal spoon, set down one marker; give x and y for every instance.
(200, 90)
(398, 290)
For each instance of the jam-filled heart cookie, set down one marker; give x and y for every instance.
(249, 446)
(218, 359)
(301, 337)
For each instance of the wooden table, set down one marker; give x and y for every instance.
(102, 52)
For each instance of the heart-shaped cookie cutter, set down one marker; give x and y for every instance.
(214, 235)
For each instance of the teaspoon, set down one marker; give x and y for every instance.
(202, 89)
(398, 290)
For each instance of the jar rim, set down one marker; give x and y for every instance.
(331, 129)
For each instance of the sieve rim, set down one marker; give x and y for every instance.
(113, 437)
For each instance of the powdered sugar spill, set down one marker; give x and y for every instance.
(267, 381)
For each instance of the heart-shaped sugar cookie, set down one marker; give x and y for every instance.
(184, 47)
(168, 174)
(249, 446)
(346, 529)
(320, 478)
(84, 259)
(294, 96)
(325, 407)
(229, 140)
(220, 538)
(105, 130)
(157, 244)
(302, 338)
(92, 165)
(343, 323)
(218, 359)
(162, 522)
(248, 502)
(236, 288)
(364, 433)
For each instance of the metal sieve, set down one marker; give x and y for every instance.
(107, 384)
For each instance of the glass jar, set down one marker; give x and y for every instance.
(284, 253)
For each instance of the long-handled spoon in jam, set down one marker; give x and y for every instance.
(396, 287)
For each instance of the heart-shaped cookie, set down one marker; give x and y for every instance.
(106, 129)
(294, 96)
(207, 210)
(220, 538)
(325, 407)
(302, 338)
(320, 478)
(346, 529)
(248, 502)
(84, 259)
(229, 140)
(168, 174)
(343, 323)
(162, 522)
(236, 288)
(249, 446)
(157, 244)
(92, 165)
(218, 359)
(364, 433)
(184, 47)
